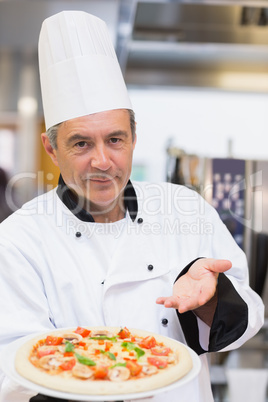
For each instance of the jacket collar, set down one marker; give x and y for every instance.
(68, 198)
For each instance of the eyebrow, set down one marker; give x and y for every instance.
(79, 137)
(76, 137)
(118, 133)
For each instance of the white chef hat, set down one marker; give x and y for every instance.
(79, 70)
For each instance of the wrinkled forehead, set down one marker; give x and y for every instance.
(98, 124)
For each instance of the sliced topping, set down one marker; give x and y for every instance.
(102, 338)
(124, 333)
(72, 338)
(110, 355)
(133, 367)
(50, 362)
(101, 334)
(82, 371)
(160, 351)
(68, 354)
(158, 362)
(119, 373)
(54, 340)
(148, 369)
(68, 364)
(69, 347)
(148, 342)
(171, 359)
(130, 346)
(108, 345)
(45, 352)
(83, 345)
(82, 331)
(84, 360)
(100, 372)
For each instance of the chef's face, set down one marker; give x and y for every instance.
(94, 154)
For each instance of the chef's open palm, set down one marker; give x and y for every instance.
(197, 286)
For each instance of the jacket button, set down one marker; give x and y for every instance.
(164, 322)
(150, 267)
(78, 234)
(140, 220)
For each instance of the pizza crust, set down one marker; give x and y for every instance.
(65, 383)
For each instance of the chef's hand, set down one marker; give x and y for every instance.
(196, 290)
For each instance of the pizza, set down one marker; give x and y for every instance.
(102, 360)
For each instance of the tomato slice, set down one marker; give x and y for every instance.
(158, 362)
(124, 333)
(100, 372)
(148, 342)
(66, 354)
(133, 367)
(68, 365)
(82, 331)
(130, 359)
(45, 352)
(160, 351)
(54, 340)
(108, 346)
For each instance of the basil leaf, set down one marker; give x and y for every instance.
(69, 347)
(103, 337)
(118, 365)
(139, 352)
(84, 360)
(109, 354)
(128, 345)
(131, 346)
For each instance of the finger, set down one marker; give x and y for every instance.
(180, 304)
(169, 302)
(215, 265)
(161, 300)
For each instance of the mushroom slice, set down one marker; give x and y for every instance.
(50, 362)
(102, 333)
(71, 337)
(48, 347)
(148, 369)
(119, 373)
(82, 371)
(170, 358)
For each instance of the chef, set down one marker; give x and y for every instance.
(102, 250)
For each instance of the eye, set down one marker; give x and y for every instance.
(81, 144)
(115, 140)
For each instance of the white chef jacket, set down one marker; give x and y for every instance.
(54, 272)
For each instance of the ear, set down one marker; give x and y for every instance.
(48, 148)
(135, 139)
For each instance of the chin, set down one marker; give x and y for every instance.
(104, 204)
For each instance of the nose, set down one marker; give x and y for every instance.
(100, 159)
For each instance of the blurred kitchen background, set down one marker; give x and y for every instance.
(197, 74)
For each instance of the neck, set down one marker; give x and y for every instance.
(112, 212)
(103, 216)
(85, 211)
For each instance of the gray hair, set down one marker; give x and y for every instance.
(52, 132)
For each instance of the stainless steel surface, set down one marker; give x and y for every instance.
(217, 44)
(20, 23)
(193, 43)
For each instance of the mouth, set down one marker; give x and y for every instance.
(101, 181)
(98, 177)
